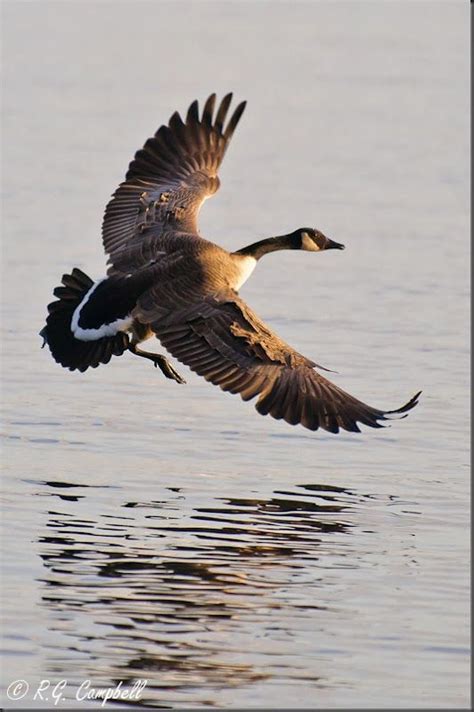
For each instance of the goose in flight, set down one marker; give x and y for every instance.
(165, 280)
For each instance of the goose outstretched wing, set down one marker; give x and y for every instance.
(166, 184)
(219, 337)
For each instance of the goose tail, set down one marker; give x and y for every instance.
(66, 349)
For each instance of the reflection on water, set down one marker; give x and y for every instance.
(176, 595)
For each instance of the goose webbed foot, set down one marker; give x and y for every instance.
(160, 362)
(167, 368)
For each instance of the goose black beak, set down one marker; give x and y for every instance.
(332, 245)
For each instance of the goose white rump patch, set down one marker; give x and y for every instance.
(105, 330)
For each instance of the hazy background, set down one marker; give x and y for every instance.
(169, 532)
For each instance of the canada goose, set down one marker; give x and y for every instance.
(164, 279)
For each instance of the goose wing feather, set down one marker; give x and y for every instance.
(166, 184)
(220, 338)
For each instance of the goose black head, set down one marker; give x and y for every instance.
(311, 240)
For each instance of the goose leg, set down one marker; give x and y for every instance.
(160, 362)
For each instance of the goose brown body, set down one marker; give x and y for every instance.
(184, 289)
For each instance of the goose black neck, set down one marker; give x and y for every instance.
(292, 241)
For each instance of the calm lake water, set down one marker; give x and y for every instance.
(169, 533)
